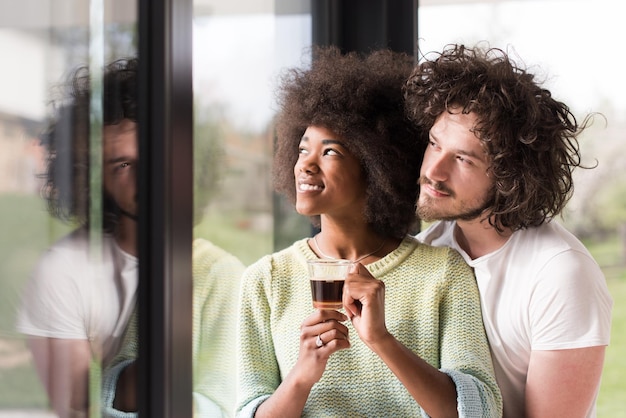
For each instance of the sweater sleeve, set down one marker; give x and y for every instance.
(107, 394)
(126, 355)
(216, 276)
(216, 279)
(258, 374)
(465, 354)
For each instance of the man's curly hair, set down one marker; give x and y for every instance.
(529, 137)
(66, 187)
(359, 98)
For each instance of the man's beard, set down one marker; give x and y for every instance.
(429, 211)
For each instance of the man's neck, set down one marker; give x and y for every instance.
(126, 235)
(477, 238)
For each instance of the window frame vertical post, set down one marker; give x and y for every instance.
(165, 196)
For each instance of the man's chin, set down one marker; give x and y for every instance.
(427, 214)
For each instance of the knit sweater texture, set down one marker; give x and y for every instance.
(431, 306)
(216, 276)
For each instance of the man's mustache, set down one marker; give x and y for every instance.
(440, 187)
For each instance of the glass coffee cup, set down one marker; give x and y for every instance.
(327, 278)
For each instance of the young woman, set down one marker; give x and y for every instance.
(409, 340)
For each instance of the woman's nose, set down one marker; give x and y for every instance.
(308, 165)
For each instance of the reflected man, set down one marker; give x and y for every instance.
(80, 296)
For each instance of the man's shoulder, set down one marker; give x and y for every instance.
(77, 246)
(80, 237)
(437, 234)
(549, 237)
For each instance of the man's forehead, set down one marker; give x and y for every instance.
(125, 127)
(119, 141)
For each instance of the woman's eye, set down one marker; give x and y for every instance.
(331, 151)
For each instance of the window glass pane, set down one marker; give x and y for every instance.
(574, 46)
(239, 49)
(234, 77)
(51, 179)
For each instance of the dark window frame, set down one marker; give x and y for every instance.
(165, 196)
(165, 184)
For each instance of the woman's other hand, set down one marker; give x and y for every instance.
(364, 302)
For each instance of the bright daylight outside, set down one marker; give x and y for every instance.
(574, 45)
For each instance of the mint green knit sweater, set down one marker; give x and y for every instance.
(432, 306)
(216, 276)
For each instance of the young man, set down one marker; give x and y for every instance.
(78, 307)
(497, 170)
(80, 296)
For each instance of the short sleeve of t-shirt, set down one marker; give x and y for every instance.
(52, 299)
(570, 306)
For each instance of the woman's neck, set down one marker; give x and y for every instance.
(355, 244)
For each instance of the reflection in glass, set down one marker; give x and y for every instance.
(45, 45)
(82, 291)
(234, 78)
(233, 143)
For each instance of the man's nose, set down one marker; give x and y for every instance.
(436, 167)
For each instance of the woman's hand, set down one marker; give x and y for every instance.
(321, 334)
(364, 302)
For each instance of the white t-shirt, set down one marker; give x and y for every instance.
(80, 293)
(541, 290)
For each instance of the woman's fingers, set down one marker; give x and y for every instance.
(357, 289)
(324, 315)
(326, 337)
(364, 301)
(324, 329)
(318, 341)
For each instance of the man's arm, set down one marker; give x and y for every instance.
(63, 367)
(563, 383)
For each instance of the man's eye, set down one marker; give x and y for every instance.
(464, 160)
(121, 166)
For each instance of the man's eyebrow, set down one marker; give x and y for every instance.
(117, 159)
(479, 156)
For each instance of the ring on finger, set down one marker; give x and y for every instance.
(318, 341)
